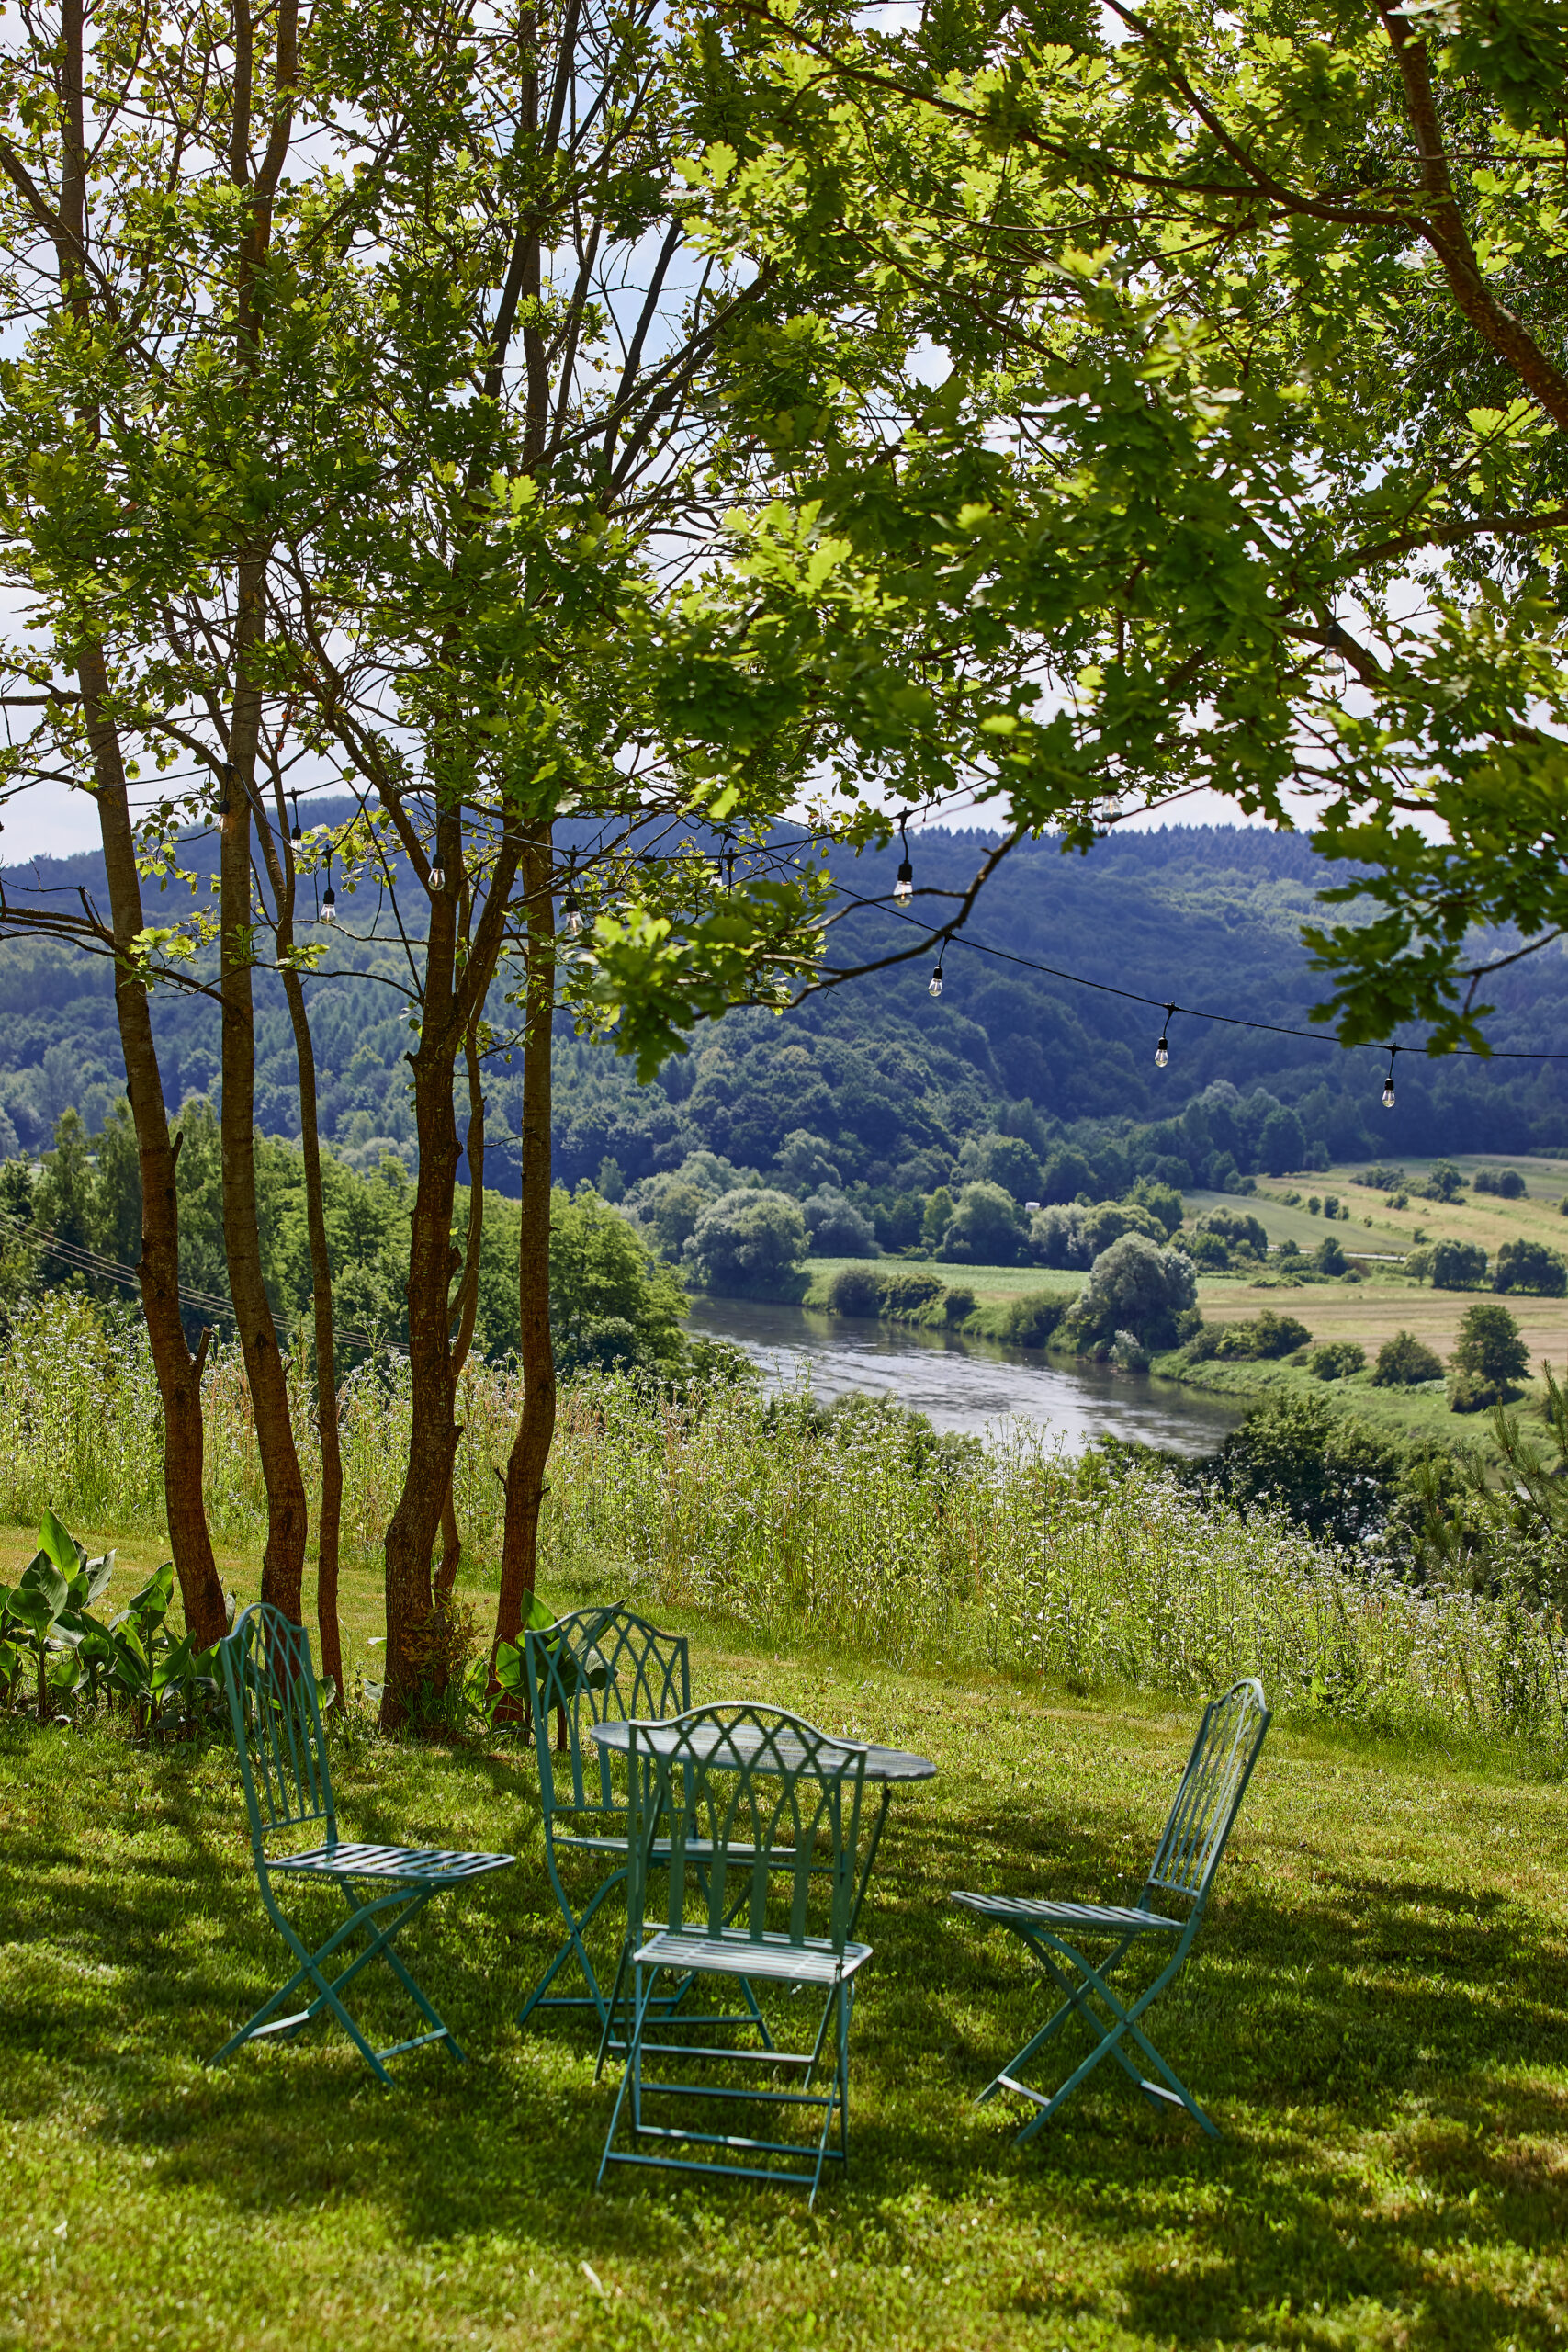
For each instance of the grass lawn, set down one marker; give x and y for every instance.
(1377, 2014)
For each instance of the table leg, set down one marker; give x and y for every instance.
(876, 1840)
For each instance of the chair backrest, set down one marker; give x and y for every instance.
(271, 1686)
(776, 1804)
(596, 1665)
(1209, 1799)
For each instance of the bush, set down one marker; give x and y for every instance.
(1335, 1360)
(937, 1218)
(1531, 1266)
(837, 1227)
(1210, 1250)
(1445, 1182)
(1056, 1238)
(1267, 1337)
(751, 1245)
(1138, 1287)
(987, 1228)
(1405, 1362)
(1112, 1219)
(1329, 1257)
(1238, 1228)
(1129, 1354)
(1506, 1182)
(854, 1290)
(1313, 1460)
(1458, 1265)
(1490, 1354)
(958, 1304)
(1383, 1180)
(612, 1306)
(1031, 1320)
(907, 1292)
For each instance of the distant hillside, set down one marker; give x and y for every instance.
(891, 1081)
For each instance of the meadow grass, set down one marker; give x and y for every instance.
(1376, 2014)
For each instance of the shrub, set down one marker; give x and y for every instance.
(1031, 1320)
(1335, 1360)
(751, 1245)
(1129, 1354)
(937, 1218)
(1491, 1355)
(1330, 1205)
(1419, 1265)
(1238, 1228)
(1268, 1335)
(1506, 1182)
(854, 1290)
(1112, 1219)
(958, 1304)
(987, 1228)
(907, 1292)
(1138, 1287)
(837, 1227)
(1304, 1455)
(1329, 1257)
(1056, 1238)
(1405, 1362)
(1208, 1249)
(1458, 1265)
(1531, 1266)
(1380, 1180)
(1445, 1182)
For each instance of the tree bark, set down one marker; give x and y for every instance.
(283, 1562)
(536, 1424)
(454, 996)
(468, 1300)
(178, 1370)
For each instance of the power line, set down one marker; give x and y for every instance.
(943, 940)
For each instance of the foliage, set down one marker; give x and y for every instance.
(854, 1290)
(1238, 1228)
(1337, 1360)
(751, 1245)
(1034, 1317)
(1506, 1182)
(838, 1229)
(133, 1657)
(985, 1229)
(1135, 1287)
(1298, 1454)
(1266, 1336)
(1405, 1362)
(1489, 1357)
(611, 1304)
(1527, 1265)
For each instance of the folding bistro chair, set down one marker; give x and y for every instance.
(595, 1666)
(286, 1772)
(739, 1788)
(1207, 1802)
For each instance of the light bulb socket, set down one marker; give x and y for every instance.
(934, 987)
(1162, 1051)
(1388, 1081)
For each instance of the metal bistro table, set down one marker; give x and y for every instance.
(889, 1767)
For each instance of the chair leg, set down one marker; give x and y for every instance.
(574, 1946)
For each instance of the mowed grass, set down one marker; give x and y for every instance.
(1377, 2014)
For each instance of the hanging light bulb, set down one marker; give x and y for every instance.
(934, 987)
(904, 888)
(1162, 1051)
(570, 915)
(437, 880)
(729, 869)
(329, 896)
(1388, 1083)
(1336, 667)
(295, 836)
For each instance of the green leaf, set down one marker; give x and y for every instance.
(61, 1545)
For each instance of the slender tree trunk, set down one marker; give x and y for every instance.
(283, 1562)
(469, 1293)
(537, 1425)
(178, 1370)
(279, 858)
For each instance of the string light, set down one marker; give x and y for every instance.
(295, 836)
(571, 911)
(1388, 1083)
(437, 879)
(1162, 1051)
(1338, 669)
(933, 986)
(729, 861)
(329, 897)
(904, 888)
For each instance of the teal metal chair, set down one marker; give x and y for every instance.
(763, 1812)
(594, 1666)
(286, 1773)
(1169, 1912)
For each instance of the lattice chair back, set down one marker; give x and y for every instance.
(595, 1665)
(271, 1686)
(1207, 1802)
(759, 1793)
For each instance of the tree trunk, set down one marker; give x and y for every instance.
(283, 1562)
(469, 1292)
(537, 1425)
(179, 1372)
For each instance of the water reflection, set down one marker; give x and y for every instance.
(964, 1384)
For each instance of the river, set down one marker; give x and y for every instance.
(968, 1384)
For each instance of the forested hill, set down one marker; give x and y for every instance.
(893, 1082)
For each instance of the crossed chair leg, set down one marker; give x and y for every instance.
(1048, 1952)
(383, 1917)
(575, 1947)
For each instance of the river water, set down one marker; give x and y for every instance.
(968, 1384)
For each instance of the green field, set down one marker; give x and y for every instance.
(1377, 2015)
